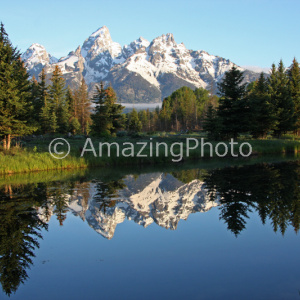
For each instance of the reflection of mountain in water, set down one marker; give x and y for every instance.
(271, 191)
(155, 197)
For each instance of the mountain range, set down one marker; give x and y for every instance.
(141, 72)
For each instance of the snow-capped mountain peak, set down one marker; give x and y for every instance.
(99, 42)
(167, 38)
(36, 58)
(36, 50)
(102, 32)
(141, 71)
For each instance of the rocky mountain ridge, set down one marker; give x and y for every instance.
(140, 72)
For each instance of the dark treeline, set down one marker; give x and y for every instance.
(267, 106)
(59, 110)
(272, 190)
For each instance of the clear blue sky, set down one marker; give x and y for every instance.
(248, 32)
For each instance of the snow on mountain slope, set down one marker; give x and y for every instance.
(142, 71)
(98, 42)
(36, 58)
(100, 54)
(137, 45)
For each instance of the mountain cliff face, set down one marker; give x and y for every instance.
(150, 198)
(142, 71)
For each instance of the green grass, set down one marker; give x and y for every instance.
(108, 174)
(33, 155)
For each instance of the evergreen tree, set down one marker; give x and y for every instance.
(114, 110)
(35, 100)
(43, 93)
(57, 90)
(83, 106)
(107, 118)
(100, 117)
(15, 93)
(74, 124)
(294, 79)
(262, 118)
(233, 108)
(281, 100)
(58, 103)
(211, 123)
(63, 118)
(42, 106)
(45, 119)
(53, 124)
(70, 100)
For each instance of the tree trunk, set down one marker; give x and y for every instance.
(4, 143)
(8, 141)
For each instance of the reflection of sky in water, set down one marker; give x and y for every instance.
(200, 258)
(144, 260)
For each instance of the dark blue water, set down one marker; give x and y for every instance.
(226, 233)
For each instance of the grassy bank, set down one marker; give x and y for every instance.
(33, 155)
(109, 174)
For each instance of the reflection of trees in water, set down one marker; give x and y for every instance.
(58, 196)
(107, 192)
(20, 231)
(272, 190)
(21, 225)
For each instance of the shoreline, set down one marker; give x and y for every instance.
(34, 157)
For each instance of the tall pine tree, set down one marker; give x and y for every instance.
(42, 107)
(15, 93)
(262, 118)
(211, 123)
(74, 124)
(58, 103)
(107, 118)
(83, 107)
(233, 108)
(294, 79)
(281, 100)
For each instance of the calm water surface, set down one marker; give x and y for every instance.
(181, 232)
